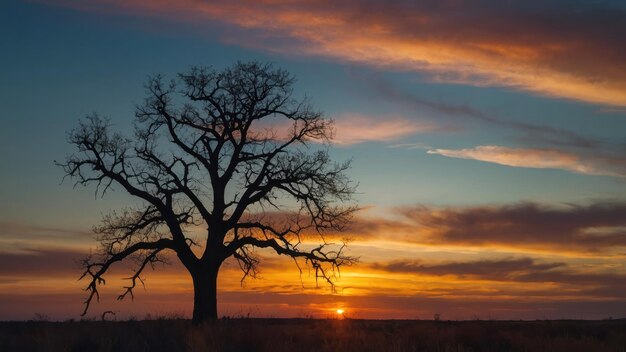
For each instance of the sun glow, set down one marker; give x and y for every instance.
(340, 311)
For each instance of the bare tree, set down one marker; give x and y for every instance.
(229, 152)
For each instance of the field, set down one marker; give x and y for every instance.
(314, 335)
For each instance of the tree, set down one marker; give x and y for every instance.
(211, 150)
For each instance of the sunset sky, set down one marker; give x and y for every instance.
(488, 140)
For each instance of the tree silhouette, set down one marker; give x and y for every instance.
(229, 152)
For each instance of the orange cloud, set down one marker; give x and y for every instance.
(538, 159)
(354, 128)
(534, 46)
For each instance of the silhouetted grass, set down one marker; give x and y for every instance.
(314, 335)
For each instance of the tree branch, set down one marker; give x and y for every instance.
(96, 270)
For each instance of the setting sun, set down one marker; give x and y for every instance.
(340, 311)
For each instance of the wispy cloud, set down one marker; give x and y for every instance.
(21, 237)
(486, 269)
(539, 159)
(564, 49)
(411, 146)
(542, 134)
(597, 228)
(590, 228)
(355, 128)
(47, 262)
(563, 278)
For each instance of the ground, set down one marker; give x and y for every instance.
(314, 335)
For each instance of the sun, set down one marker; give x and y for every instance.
(340, 311)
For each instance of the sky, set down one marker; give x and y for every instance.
(488, 139)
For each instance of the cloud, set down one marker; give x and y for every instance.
(520, 270)
(353, 128)
(21, 237)
(518, 277)
(573, 229)
(411, 146)
(563, 49)
(590, 228)
(486, 269)
(19, 230)
(539, 159)
(530, 132)
(47, 262)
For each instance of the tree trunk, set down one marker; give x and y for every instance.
(205, 295)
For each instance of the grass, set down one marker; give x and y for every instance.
(314, 335)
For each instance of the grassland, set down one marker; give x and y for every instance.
(314, 335)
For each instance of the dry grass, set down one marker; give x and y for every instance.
(314, 335)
